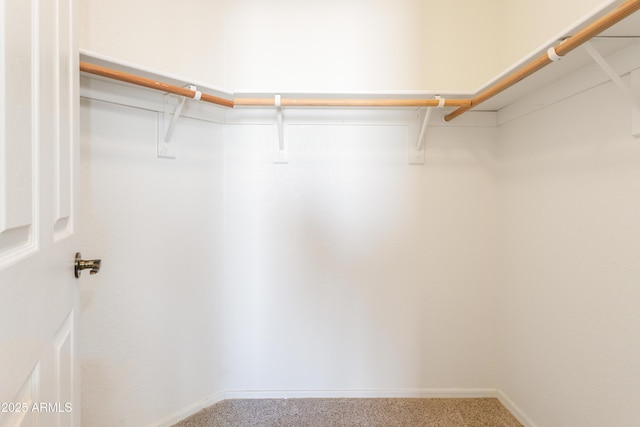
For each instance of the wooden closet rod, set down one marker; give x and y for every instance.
(153, 84)
(338, 102)
(566, 46)
(267, 102)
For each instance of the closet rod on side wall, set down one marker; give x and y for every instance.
(566, 46)
(153, 84)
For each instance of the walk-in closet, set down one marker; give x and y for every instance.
(303, 212)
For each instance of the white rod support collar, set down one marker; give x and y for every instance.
(553, 55)
(197, 95)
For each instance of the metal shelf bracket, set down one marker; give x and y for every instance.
(416, 146)
(632, 93)
(167, 124)
(281, 152)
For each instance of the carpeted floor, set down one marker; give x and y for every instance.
(354, 412)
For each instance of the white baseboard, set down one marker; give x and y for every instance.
(362, 393)
(188, 411)
(515, 410)
(302, 394)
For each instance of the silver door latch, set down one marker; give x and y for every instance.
(81, 264)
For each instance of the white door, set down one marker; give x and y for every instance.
(39, 375)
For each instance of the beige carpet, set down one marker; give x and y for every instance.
(354, 412)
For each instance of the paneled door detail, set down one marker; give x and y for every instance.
(39, 374)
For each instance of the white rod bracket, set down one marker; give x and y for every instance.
(423, 128)
(281, 154)
(166, 150)
(416, 145)
(174, 119)
(631, 93)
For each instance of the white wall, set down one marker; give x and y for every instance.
(183, 37)
(359, 45)
(348, 269)
(569, 318)
(149, 321)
